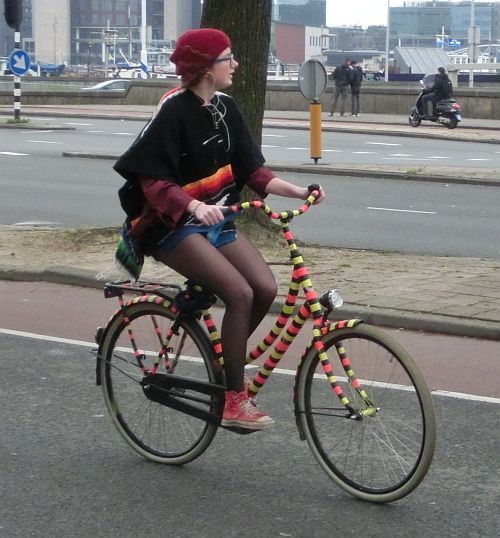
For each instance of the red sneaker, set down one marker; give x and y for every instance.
(241, 412)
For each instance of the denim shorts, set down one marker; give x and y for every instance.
(218, 235)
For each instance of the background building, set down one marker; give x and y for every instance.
(302, 12)
(418, 23)
(80, 32)
(298, 31)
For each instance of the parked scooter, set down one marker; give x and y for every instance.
(446, 111)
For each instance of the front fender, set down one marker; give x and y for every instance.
(327, 329)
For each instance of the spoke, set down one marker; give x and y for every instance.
(380, 451)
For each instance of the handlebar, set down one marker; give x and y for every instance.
(284, 216)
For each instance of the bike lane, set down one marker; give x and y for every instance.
(66, 472)
(454, 364)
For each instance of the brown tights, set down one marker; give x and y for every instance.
(240, 277)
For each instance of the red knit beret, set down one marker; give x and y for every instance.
(196, 50)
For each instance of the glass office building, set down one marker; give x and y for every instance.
(418, 23)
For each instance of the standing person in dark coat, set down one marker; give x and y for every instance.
(355, 83)
(341, 77)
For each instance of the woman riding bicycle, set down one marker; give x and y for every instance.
(192, 158)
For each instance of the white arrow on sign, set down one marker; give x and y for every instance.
(19, 62)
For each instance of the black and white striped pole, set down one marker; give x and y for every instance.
(17, 82)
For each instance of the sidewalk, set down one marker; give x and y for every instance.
(459, 296)
(447, 295)
(469, 129)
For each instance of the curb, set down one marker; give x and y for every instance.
(325, 169)
(272, 123)
(35, 127)
(386, 317)
(372, 122)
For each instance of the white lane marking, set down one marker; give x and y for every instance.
(43, 142)
(406, 158)
(75, 123)
(36, 223)
(383, 144)
(125, 134)
(479, 159)
(96, 131)
(401, 210)
(334, 150)
(298, 148)
(13, 153)
(464, 396)
(268, 146)
(365, 152)
(438, 157)
(57, 339)
(274, 135)
(401, 155)
(37, 132)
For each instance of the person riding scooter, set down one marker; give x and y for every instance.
(441, 89)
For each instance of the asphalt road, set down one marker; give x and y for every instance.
(346, 148)
(390, 215)
(66, 472)
(286, 145)
(38, 185)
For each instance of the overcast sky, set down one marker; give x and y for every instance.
(360, 12)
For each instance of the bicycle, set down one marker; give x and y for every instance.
(160, 363)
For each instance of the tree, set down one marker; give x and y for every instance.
(248, 24)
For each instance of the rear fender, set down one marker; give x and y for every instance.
(331, 327)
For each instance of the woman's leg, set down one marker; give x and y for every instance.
(249, 262)
(196, 259)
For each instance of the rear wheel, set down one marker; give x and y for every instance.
(385, 453)
(155, 431)
(414, 119)
(453, 123)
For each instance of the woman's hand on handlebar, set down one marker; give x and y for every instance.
(208, 214)
(313, 187)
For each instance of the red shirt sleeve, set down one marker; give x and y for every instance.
(167, 199)
(259, 179)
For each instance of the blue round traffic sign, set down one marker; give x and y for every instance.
(19, 62)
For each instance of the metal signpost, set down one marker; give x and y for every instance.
(312, 84)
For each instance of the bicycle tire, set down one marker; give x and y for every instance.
(178, 438)
(401, 434)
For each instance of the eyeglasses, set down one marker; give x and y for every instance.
(229, 58)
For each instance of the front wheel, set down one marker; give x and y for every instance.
(383, 452)
(155, 431)
(453, 123)
(414, 119)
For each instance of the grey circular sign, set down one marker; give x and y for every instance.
(312, 79)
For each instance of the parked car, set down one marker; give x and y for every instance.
(110, 85)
